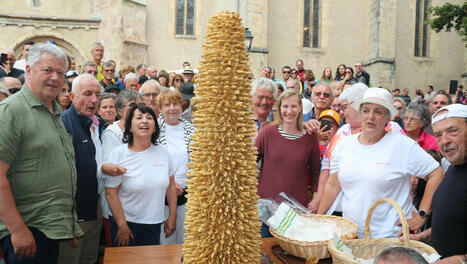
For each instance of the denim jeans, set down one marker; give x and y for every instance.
(143, 234)
(265, 231)
(46, 250)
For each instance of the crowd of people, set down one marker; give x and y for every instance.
(99, 157)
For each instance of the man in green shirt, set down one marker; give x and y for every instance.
(37, 164)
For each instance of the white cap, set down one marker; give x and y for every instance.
(378, 96)
(453, 110)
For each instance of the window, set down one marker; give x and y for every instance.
(36, 3)
(185, 17)
(421, 28)
(311, 20)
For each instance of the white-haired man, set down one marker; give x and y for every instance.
(131, 81)
(264, 96)
(37, 166)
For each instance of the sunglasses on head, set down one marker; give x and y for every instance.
(14, 90)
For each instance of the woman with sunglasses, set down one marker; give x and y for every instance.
(177, 81)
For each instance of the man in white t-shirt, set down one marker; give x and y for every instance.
(21, 64)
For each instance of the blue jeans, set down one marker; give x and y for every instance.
(265, 231)
(46, 250)
(143, 234)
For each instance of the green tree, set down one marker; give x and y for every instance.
(448, 16)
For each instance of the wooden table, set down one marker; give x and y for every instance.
(167, 254)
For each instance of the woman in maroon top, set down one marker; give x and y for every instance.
(289, 154)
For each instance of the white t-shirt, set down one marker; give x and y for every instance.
(381, 170)
(175, 139)
(144, 185)
(345, 131)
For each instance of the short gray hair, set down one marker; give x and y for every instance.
(96, 44)
(126, 96)
(323, 84)
(149, 83)
(400, 254)
(36, 51)
(107, 96)
(354, 92)
(420, 111)
(77, 80)
(86, 64)
(131, 76)
(266, 84)
(400, 100)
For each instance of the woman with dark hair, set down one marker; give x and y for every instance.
(310, 81)
(136, 198)
(340, 73)
(163, 78)
(419, 97)
(63, 97)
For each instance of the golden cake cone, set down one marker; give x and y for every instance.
(222, 223)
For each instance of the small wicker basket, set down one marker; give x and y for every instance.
(319, 249)
(370, 247)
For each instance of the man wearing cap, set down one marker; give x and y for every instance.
(187, 91)
(71, 75)
(37, 165)
(449, 230)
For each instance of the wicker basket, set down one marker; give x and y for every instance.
(317, 249)
(370, 247)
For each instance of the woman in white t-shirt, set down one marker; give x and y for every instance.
(352, 126)
(376, 164)
(136, 198)
(175, 136)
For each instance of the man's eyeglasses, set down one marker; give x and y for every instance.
(109, 70)
(286, 72)
(325, 95)
(261, 97)
(92, 72)
(147, 95)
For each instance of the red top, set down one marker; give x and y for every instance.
(287, 164)
(427, 141)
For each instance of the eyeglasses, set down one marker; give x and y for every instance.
(109, 70)
(178, 80)
(398, 107)
(286, 72)
(344, 106)
(325, 95)
(147, 95)
(261, 97)
(92, 72)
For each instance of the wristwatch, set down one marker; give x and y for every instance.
(422, 213)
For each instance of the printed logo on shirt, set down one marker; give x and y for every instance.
(158, 165)
(383, 163)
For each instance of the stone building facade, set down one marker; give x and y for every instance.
(380, 33)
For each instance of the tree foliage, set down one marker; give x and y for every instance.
(449, 16)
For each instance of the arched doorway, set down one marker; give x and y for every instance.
(70, 48)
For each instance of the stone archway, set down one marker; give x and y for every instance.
(68, 46)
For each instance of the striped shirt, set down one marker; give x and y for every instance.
(288, 135)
